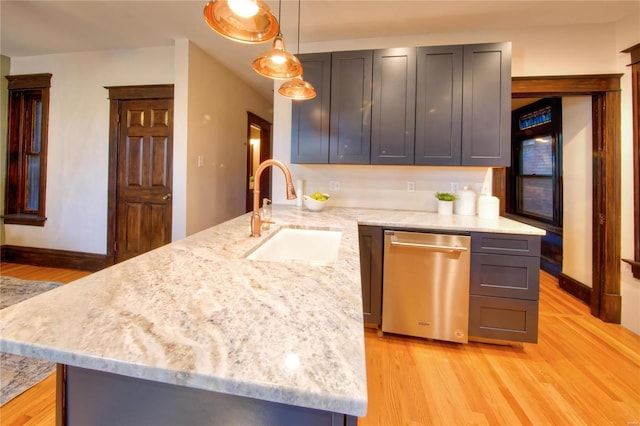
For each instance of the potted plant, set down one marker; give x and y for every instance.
(445, 202)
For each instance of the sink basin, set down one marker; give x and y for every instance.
(314, 246)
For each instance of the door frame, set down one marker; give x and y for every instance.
(265, 153)
(604, 89)
(117, 94)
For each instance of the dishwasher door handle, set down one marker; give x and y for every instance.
(434, 247)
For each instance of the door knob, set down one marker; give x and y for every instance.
(166, 197)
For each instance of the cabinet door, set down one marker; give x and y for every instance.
(503, 319)
(350, 137)
(393, 106)
(310, 118)
(371, 243)
(439, 106)
(486, 105)
(517, 277)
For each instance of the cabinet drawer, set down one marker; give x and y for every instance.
(503, 319)
(505, 276)
(510, 244)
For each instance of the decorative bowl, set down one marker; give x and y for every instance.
(313, 204)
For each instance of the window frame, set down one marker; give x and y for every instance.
(552, 129)
(18, 148)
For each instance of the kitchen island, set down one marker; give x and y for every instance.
(211, 328)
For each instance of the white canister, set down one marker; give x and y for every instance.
(465, 202)
(488, 207)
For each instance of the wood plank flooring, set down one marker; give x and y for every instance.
(581, 372)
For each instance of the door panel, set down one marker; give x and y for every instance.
(144, 177)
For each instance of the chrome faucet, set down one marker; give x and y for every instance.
(256, 221)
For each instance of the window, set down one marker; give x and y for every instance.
(27, 149)
(536, 177)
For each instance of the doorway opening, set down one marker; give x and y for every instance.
(258, 150)
(604, 90)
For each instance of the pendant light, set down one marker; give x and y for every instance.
(245, 21)
(297, 89)
(277, 63)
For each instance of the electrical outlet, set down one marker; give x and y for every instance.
(411, 186)
(200, 161)
(334, 185)
(454, 187)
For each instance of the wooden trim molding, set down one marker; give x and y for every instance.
(605, 93)
(153, 91)
(575, 288)
(635, 90)
(53, 258)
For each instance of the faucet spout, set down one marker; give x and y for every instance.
(256, 221)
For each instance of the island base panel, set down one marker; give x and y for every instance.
(89, 397)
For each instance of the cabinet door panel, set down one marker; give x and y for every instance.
(393, 106)
(486, 131)
(371, 244)
(310, 118)
(503, 319)
(509, 244)
(505, 276)
(350, 137)
(439, 105)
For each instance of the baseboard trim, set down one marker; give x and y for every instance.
(575, 288)
(54, 258)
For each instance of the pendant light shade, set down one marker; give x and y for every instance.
(277, 63)
(297, 89)
(245, 21)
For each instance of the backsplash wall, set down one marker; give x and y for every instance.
(367, 186)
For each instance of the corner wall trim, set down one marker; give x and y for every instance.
(575, 288)
(54, 258)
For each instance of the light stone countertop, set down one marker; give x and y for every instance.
(197, 313)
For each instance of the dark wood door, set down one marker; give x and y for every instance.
(144, 177)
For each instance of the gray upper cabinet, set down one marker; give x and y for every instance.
(350, 124)
(439, 106)
(486, 105)
(393, 106)
(310, 119)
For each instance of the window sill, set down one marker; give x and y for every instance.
(24, 219)
(635, 267)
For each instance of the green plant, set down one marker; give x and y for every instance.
(445, 196)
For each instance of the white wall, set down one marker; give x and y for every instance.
(217, 131)
(77, 164)
(577, 148)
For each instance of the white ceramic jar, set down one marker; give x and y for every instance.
(465, 202)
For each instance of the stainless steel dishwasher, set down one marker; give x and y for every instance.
(425, 287)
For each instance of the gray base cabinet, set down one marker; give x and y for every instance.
(504, 287)
(89, 397)
(371, 246)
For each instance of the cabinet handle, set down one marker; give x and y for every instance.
(395, 242)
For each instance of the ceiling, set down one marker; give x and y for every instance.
(45, 27)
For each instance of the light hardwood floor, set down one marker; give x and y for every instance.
(582, 371)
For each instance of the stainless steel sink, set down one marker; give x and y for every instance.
(313, 246)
